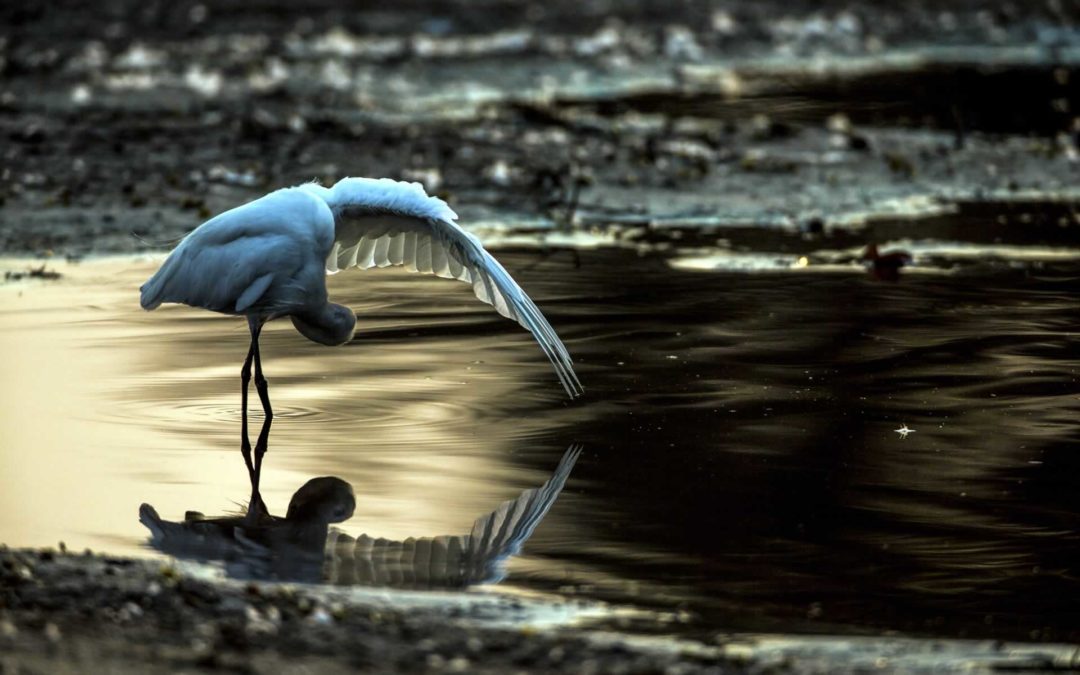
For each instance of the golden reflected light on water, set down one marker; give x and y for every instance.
(106, 406)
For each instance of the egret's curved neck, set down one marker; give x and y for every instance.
(329, 325)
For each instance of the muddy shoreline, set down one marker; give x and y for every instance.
(63, 612)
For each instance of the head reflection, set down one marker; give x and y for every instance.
(301, 546)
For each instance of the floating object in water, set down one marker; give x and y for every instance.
(269, 258)
(885, 266)
(32, 273)
(904, 431)
(303, 547)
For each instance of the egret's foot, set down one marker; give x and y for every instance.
(257, 511)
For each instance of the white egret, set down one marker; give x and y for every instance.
(269, 258)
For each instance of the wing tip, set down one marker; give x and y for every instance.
(570, 458)
(572, 385)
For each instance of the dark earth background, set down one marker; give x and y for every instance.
(144, 118)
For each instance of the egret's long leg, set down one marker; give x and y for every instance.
(256, 507)
(245, 379)
(268, 415)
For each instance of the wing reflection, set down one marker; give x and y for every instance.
(303, 547)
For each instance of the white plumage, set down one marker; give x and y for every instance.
(269, 258)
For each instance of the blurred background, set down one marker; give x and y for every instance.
(148, 116)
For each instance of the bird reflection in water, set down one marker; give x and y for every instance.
(301, 546)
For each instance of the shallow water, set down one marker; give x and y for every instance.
(740, 459)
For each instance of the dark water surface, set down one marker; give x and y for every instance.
(741, 461)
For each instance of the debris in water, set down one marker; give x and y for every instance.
(32, 273)
(885, 267)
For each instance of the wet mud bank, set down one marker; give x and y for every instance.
(62, 612)
(67, 613)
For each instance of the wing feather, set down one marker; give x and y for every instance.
(349, 255)
(457, 270)
(423, 255)
(395, 255)
(381, 255)
(366, 258)
(440, 265)
(383, 222)
(412, 240)
(331, 260)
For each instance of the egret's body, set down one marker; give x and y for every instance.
(264, 259)
(269, 258)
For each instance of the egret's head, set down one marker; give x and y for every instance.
(322, 500)
(332, 325)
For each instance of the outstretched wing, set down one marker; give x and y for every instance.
(447, 561)
(379, 223)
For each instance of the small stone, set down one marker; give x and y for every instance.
(458, 664)
(499, 173)
(435, 661)
(589, 666)
(200, 646)
(32, 133)
(839, 123)
(8, 630)
(81, 94)
(258, 623)
(52, 632)
(426, 645)
(858, 142)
